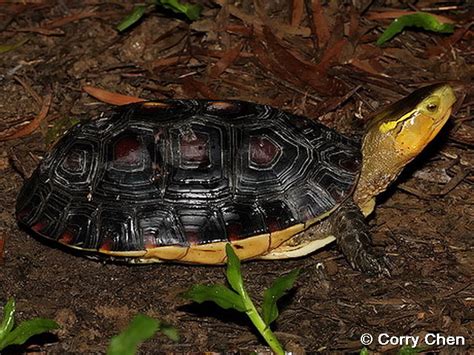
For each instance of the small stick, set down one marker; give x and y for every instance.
(2, 247)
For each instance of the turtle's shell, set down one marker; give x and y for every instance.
(178, 179)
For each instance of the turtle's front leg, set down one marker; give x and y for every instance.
(353, 237)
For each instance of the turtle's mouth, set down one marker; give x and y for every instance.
(416, 132)
(438, 125)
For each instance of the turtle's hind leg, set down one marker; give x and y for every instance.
(353, 236)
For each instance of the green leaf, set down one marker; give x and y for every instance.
(364, 351)
(420, 19)
(4, 48)
(271, 296)
(192, 11)
(170, 331)
(27, 329)
(136, 14)
(8, 320)
(234, 275)
(219, 294)
(58, 128)
(140, 329)
(408, 350)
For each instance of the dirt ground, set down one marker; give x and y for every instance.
(322, 63)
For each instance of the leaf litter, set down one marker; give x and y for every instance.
(266, 52)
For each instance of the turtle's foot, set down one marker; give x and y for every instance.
(370, 263)
(353, 237)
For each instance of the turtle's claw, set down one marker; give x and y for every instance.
(372, 264)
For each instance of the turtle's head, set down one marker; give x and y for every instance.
(397, 135)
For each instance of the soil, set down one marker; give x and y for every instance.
(325, 66)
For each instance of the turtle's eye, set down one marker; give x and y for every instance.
(432, 107)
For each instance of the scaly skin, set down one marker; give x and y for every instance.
(393, 139)
(353, 237)
(397, 135)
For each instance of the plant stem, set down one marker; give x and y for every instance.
(262, 327)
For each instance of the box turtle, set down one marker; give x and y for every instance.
(176, 180)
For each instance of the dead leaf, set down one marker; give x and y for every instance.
(364, 65)
(297, 10)
(311, 74)
(227, 59)
(271, 65)
(59, 22)
(169, 61)
(333, 54)
(354, 22)
(111, 97)
(239, 29)
(41, 31)
(257, 23)
(34, 124)
(51, 28)
(192, 86)
(397, 13)
(320, 23)
(445, 45)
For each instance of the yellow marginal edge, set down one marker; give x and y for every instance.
(288, 252)
(155, 104)
(256, 247)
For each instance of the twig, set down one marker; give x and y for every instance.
(29, 90)
(3, 239)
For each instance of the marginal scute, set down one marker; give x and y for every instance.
(278, 215)
(178, 179)
(67, 237)
(80, 225)
(155, 105)
(243, 221)
(222, 107)
(170, 252)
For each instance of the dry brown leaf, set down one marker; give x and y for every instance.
(297, 10)
(41, 31)
(332, 54)
(367, 51)
(257, 23)
(239, 29)
(34, 124)
(320, 23)
(314, 75)
(227, 59)
(397, 13)
(110, 97)
(271, 65)
(51, 28)
(192, 86)
(364, 65)
(444, 45)
(169, 61)
(59, 22)
(354, 22)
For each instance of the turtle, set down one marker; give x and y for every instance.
(176, 180)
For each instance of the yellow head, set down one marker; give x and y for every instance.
(398, 134)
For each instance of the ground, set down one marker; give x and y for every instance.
(325, 66)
